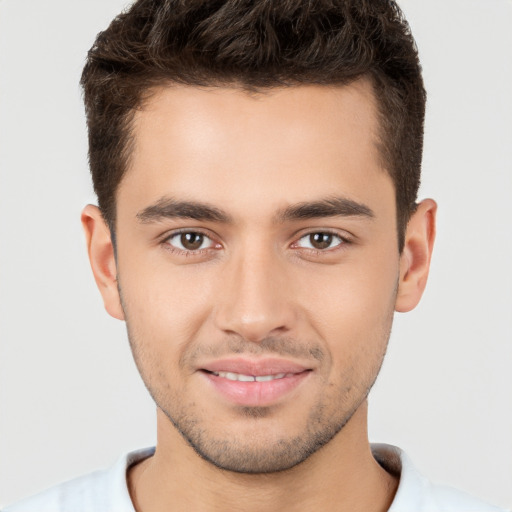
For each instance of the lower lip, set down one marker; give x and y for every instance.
(256, 394)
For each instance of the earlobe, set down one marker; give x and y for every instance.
(416, 255)
(102, 259)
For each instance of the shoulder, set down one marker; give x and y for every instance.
(452, 500)
(101, 491)
(86, 493)
(415, 492)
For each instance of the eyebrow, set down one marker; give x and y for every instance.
(169, 208)
(329, 207)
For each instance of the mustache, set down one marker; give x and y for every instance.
(269, 346)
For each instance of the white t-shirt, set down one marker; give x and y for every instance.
(107, 491)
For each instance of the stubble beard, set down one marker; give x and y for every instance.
(248, 454)
(258, 456)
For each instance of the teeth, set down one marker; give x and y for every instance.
(249, 378)
(265, 378)
(240, 377)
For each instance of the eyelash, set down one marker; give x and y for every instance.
(188, 253)
(344, 241)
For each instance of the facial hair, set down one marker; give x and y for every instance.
(258, 453)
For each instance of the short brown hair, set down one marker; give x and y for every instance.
(255, 45)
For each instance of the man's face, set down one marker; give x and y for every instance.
(257, 264)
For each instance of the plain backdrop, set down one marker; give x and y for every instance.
(71, 399)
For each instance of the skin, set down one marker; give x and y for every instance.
(259, 286)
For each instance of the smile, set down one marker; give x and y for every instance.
(251, 378)
(254, 383)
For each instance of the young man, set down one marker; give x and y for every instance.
(256, 166)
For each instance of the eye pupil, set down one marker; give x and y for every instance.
(191, 241)
(320, 240)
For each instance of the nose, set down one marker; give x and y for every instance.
(255, 300)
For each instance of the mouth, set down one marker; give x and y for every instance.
(240, 377)
(255, 383)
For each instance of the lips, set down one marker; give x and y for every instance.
(254, 383)
(251, 378)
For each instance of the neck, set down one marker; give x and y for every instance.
(343, 475)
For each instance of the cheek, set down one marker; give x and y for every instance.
(351, 307)
(163, 313)
(164, 305)
(355, 327)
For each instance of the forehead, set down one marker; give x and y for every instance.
(281, 145)
(308, 112)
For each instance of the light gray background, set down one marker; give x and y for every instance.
(70, 396)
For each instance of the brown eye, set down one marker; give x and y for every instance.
(321, 240)
(190, 241)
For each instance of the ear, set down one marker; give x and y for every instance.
(102, 258)
(416, 255)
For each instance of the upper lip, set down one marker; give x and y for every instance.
(255, 367)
